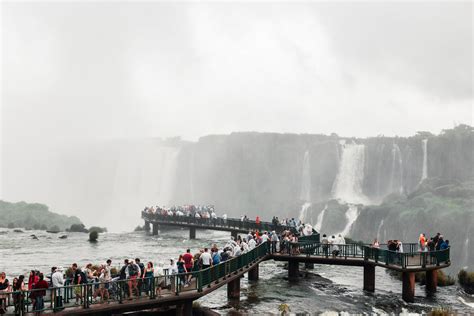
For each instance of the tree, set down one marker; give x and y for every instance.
(93, 236)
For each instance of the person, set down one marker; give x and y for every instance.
(4, 288)
(148, 276)
(181, 270)
(40, 291)
(104, 279)
(142, 273)
(173, 268)
(376, 243)
(133, 272)
(421, 242)
(18, 297)
(275, 241)
(444, 245)
(57, 281)
(206, 259)
(79, 279)
(188, 263)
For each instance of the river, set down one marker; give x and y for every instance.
(326, 289)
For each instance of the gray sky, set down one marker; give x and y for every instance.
(104, 69)
(74, 73)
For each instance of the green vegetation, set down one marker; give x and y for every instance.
(441, 311)
(77, 228)
(93, 236)
(466, 280)
(33, 216)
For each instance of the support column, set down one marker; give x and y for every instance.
(408, 290)
(369, 277)
(253, 273)
(147, 226)
(234, 234)
(185, 309)
(431, 281)
(293, 270)
(233, 289)
(155, 229)
(192, 233)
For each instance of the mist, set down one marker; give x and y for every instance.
(87, 88)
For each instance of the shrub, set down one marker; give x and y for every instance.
(93, 236)
(466, 280)
(98, 229)
(441, 311)
(80, 228)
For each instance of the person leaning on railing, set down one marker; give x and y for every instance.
(4, 289)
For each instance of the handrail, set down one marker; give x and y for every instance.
(59, 298)
(230, 223)
(412, 258)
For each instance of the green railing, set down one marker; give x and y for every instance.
(406, 259)
(229, 223)
(118, 291)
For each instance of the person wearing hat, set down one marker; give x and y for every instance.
(57, 280)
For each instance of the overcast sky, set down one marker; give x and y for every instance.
(95, 70)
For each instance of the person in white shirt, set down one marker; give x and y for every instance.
(252, 244)
(57, 280)
(206, 259)
(264, 237)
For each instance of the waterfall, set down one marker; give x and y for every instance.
(424, 173)
(396, 159)
(379, 229)
(319, 220)
(304, 212)
(351, 216)
(305, 193)
(348, 184)
(191, 175)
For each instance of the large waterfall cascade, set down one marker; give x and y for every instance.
(351, 215)
(397, 170)
(348, 183)
(424, 173)
(319, 220)
(305, 194)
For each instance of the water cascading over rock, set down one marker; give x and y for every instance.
(305, 194)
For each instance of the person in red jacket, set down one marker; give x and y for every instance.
(40, 291)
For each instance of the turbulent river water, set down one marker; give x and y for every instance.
(326, 289)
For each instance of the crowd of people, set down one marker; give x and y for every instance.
(133, 278)
(198, 211)
(425, 244)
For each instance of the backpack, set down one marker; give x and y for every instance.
(216, 258)
(132, 270)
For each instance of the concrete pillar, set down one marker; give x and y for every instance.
(185, 309)
(234, 234)
(192, 233)
(369, 277)
(253, 273)
(293, 270)
(309, 265)
(147, 226)
(431, 281)
(408, 290)
(233, 289)
(155, 229)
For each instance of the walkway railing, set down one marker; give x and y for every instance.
(64, 297)
(404, 260)
(229, 223)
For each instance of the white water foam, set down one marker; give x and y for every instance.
(304, 212)
(351, 215)
(319, 220)
(348, 184)
(424, 173)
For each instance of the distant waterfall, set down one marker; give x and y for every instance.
(319, 220)
(378, 230)
(348, 184)
(304, 212)
(351, 216)
(305, 193)
(424, 173)
(397, 171)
